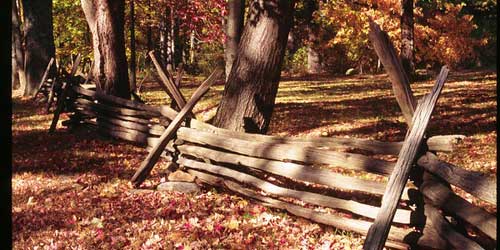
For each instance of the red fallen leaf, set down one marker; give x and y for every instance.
(282, 241)
(249, 240)
(100, 234)
(187, 226)
(218, 227)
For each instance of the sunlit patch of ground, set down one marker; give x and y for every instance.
(71, 190)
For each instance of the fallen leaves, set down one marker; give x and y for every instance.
(72, 191)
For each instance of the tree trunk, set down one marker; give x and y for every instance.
(407, 55)
(132, 46)
(234, 27)
(313, 55)
(250, 91)
(39, 41)
(178, 43)
(166, 45)
(15, 76)
(171, 41)
(106, 22)
(18, 73)
(191, 47)
(149, 36)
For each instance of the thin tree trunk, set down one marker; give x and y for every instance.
(166, 43)
(39, 41)
(407, 55)
(149, 36)
(132, 47)
(171, 41)
(234, 27)
(106, 21)
(19, 77)
(178, 43)
(192, 48)
(251, 88)
(163, 37)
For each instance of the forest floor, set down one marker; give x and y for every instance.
(72, 190)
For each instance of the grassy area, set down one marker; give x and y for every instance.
(71, 190)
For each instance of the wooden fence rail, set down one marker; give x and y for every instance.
(240, 162)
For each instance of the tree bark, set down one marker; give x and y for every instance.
(39, 41)
(14, 76)
(250, 91)
(313, 55)
(149, 36)
(18, 73)
(132, 46)
(234, 27)
(166, 45)
(106, 22)
(192, 48)
(407, 55)
(171, 41)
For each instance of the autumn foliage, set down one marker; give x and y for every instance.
(442, 33)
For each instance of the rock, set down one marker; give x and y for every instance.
(351, 71)
(183, 187)
(180, 176)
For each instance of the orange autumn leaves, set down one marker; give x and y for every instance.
(442, 34)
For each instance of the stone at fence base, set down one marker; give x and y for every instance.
(183, 187)
(180, 176)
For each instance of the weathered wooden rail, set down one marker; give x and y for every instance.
(291, 171)
(288, 172)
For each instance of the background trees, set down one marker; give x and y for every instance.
(339, 39)
(330, 35)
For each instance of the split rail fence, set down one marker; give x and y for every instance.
(311, 177)
(285, 172)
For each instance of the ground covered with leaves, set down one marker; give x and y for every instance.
(71, 190)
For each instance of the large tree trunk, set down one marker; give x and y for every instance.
(234, 27)
(39, 41)
(407, 37)
(18, 73)
(250, 91)
(15, 76)
(149, 36)
(132, 46)
(106, 22)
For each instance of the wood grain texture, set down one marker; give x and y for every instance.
(60, 105)
(167, 83)
(290, 170)
(475, 183)
(443, 197)
(399, 238)
(392, 65)
(169, 133)
(446, 231)
(397, 181)
(401, 216)
(44, 77)
(282, 152)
